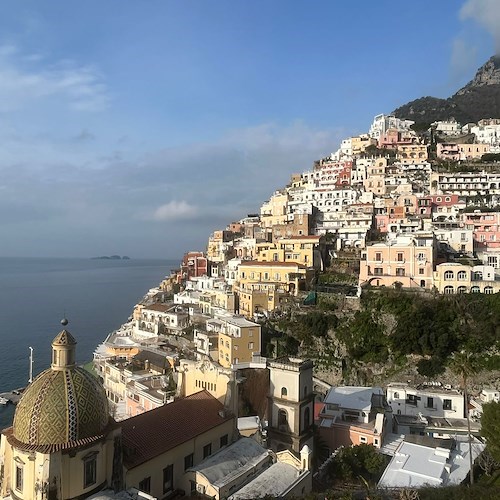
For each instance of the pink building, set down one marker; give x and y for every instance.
(486, 229)
(407, 260)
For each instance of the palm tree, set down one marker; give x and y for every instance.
(465, 365)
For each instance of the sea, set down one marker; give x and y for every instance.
(96, 296)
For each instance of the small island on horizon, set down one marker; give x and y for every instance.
(111, 257)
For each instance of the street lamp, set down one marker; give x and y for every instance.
(31, 365)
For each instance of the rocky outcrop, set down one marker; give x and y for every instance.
(480, 98)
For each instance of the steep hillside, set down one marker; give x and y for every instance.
(480, 98)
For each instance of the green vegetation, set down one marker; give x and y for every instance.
(393, 324)
(490, 429)
(361, 464)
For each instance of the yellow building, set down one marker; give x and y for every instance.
(452, 277)
(361, 142)
(162, 445)
(62, 442)
(260, 298)
(239, 340)
(300, 249)
(195, 376)
(274, 211)
(412, 153)
(288, 276)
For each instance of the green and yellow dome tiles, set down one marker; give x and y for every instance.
(64, 404)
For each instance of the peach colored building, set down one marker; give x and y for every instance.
(352, 416)
(405, 259)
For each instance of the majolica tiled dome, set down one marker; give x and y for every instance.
(63, 404)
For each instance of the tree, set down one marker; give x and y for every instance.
(490, 428)
(465, 365)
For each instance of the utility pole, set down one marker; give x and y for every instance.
(31, 365)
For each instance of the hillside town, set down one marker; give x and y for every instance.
(198, 400)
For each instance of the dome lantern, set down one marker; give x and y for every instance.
(63, 351)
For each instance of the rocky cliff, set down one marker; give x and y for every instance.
(480, 98)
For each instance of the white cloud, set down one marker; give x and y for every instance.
(27, 78)
(175, 210)
(487, 14)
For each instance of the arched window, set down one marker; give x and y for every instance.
(478, 275)
(462, 275)
(282, 420)
(475, 289)
(284, 392)
(307, 417)
(462, 289)
(488, 290)
(448, 275)
(396, 395)
(448, 290)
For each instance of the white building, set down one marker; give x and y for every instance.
(431, 400)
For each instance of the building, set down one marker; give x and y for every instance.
(423, 461)
(63, 443)
(452, 277)
(161, 445)
(239, 340)
(353, 415)
(291, 401)
(427, 400)
(408, 260)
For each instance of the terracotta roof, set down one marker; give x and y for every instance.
(157, 431)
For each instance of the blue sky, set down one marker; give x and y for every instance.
(139, 127)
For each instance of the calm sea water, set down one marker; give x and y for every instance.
(96, 296)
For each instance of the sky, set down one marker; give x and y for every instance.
(137, 128)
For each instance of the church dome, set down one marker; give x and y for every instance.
(64, 404)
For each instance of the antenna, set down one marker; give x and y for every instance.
(31, 365)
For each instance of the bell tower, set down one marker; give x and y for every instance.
(291, 404)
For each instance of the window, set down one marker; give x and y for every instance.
(462, 275)
(446, 404)
(89, 469)
(488, 290)
(448, 275)
(188, 461)
(396, 395)
(378, 257)
(282, 420)
(400, 257)
(284, 392)
(363, 439)
(462, 289)
(207, 450)
(223, 440)
(19, 478)
(168, 478)
(421, 270)
(448, 290)
(430, 402)
(307, 417)
(475, 289)
(400, 271)
(145, 484)
(378, 271)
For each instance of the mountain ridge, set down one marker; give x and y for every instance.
(480, 98)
